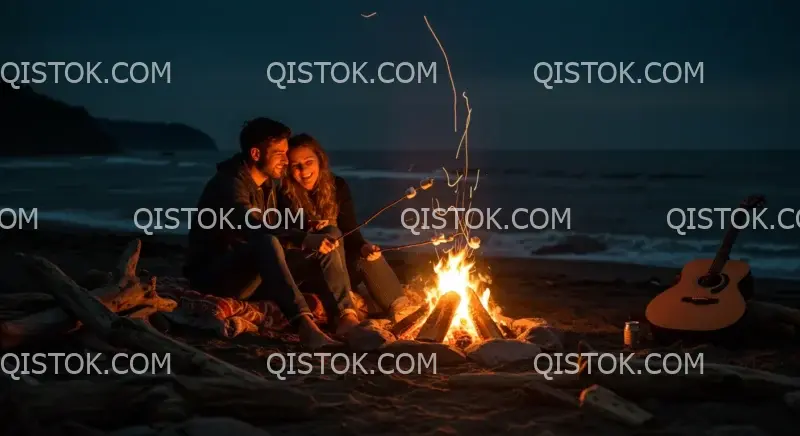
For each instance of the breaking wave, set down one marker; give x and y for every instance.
(765, 259)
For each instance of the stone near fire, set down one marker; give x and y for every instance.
(496, 352)
(445, 354)
(524, 324)
(369, 336)
(549, 338)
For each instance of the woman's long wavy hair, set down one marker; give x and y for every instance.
(319, 203)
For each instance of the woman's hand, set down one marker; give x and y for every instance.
(319, 242)
(370, 252)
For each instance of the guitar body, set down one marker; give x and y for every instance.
(701, 304)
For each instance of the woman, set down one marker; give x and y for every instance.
(326, 201)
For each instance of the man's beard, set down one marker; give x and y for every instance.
(262, 165)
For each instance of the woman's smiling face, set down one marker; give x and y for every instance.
(304, 167)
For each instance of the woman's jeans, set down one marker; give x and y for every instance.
(380, 280)
(378, 277)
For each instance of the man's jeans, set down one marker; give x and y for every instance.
(262, 270)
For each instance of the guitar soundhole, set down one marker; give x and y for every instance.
(714, 282)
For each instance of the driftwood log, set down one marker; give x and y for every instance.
(25, 301)
(764, 313)
(127, 401)
(127, 333)
(438, 323)
(611, 405)
(128, 294)
(714, 382)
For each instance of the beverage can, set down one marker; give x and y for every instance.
(630, 335)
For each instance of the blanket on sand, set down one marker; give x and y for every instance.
(229, 317)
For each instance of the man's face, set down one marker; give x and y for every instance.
(274, 162)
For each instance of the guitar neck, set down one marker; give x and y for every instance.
(724, 251)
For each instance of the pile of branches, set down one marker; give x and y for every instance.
(115, 318)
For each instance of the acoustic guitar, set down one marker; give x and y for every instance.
(710, 295)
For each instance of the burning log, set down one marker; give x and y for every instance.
(607, 403)
(407, 323)
(484, 323)
(438, 323)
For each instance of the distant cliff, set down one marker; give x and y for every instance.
(141, 136)
(32, 124)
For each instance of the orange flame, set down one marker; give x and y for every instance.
(455, 273)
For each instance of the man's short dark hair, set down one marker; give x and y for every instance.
(262, 132)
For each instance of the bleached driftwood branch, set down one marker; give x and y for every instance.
(126, 333)
(127, 294)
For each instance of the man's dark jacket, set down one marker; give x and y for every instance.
(233, 191)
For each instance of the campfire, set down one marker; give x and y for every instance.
(458, 309)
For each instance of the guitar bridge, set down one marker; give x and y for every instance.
(700, 301)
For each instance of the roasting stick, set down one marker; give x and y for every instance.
(410, 193)
(436, 240)
(402, 247)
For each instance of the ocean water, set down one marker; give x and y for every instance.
(619, 199)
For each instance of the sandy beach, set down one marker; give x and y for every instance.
(586, 301)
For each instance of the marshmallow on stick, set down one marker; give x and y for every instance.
(474, 242)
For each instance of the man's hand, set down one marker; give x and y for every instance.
(370, 252)
(319, 242)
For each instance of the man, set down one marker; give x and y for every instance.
(243, 258)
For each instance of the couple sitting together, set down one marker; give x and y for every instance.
(250, 261)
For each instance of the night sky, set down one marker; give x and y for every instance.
(219, 52)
